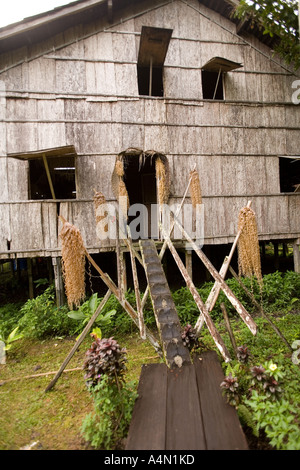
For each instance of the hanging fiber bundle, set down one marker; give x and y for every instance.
(123, 198)
(195, 188)
(73, 263)
(162, 181)
(101, 213)
(119, 168)
(248, 245)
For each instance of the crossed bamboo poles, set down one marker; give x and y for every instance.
(137, 317)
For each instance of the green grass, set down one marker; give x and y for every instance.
(54, 418)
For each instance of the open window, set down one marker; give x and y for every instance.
(51, 173)
(213, 73)
(154, 44)
(289, 171)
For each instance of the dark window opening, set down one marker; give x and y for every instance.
(212, 85)
(150, 81)
(289, 169)
(62, 173)
(140, 181)
(153, 48)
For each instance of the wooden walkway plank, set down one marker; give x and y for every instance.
(184, 428)
(167, 320)
(221, 423)
(148, 424)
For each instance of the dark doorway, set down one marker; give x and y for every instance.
(140, 181)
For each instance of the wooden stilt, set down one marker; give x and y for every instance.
(59, 287)
(188, 263)
(124, 272)
(30, 280)
(296, 255)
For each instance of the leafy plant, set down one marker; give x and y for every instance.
(276, 19)
(278, 419)
(41, 317)
(243, 354)
(87, 309)
(104, 357)
(266, 397)
(189, 337)
(107, 426)
(230, 386)
(11, 338)
(105, 365)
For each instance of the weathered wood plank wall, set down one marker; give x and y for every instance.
(276, 216)
(85, 94)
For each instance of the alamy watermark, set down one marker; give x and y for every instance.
(144, 222)
(296, 94)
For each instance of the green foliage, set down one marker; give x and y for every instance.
(11, 338)
(41, 318)
(281, 292)
(267, 398)
(113, 406)
(277, 19)
(87, 309)
(10, 315)
(104, 357)
(278, 419)
(105, 365)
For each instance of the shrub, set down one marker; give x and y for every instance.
(10, 315)
(113, 397)
(41, 317)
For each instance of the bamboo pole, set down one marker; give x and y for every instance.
(227, 291)
(49, 176)
(214, 293)
(125, 304)
(260, 309)
(228, 328)
(200, 304)
(80, 340)
(136, 289)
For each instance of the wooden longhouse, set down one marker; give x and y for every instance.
(85, 82)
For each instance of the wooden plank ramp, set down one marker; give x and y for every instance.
(184, 409)
(167, 320)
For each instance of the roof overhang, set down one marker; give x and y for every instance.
(40, 27)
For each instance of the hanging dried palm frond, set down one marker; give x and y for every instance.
(119, 187)
(101, 213)
(123, 198)
(73, 263)
(248, 245)
(162, 181)
(195, 188)
(119, 168)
